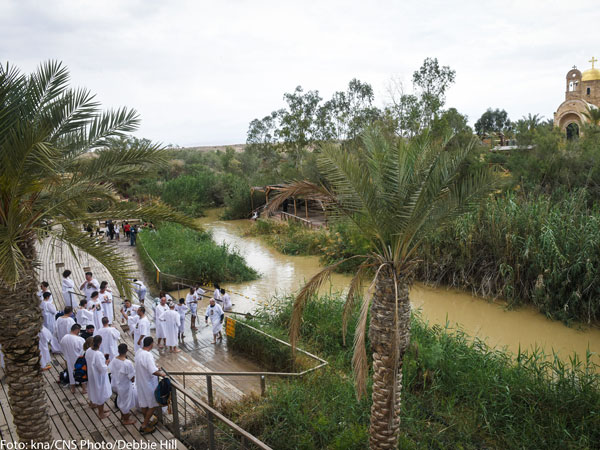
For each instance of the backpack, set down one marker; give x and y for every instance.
(162, 393)
(80, 370)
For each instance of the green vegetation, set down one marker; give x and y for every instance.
(192, 255)
(538, 249)
(457, 392)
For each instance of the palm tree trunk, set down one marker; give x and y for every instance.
(387, 379)
(20, 323)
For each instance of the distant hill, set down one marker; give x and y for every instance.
(211, 148)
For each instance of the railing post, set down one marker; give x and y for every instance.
(211, 427)
(176, 429)
(263, 385)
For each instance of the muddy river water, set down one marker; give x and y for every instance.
(487, 320)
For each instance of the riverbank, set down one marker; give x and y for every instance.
(457, 393)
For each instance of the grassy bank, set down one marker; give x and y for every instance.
(457, 393)
(192, 255)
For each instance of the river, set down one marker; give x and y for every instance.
(489, 320)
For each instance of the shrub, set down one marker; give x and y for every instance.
(192, 255)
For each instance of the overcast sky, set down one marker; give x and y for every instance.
(199, 71)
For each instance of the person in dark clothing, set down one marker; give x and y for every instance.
(88, 332)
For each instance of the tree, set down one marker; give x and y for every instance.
(416, 111)
(494, 122)
(432, 81)
(395, 192)
(592, 115)
(48, 180)
(346, 115)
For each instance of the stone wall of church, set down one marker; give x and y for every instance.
(594, 97)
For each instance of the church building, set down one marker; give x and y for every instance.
(582, 92)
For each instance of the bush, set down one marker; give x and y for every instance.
(192, 255)
(457, 393)
(537, 249)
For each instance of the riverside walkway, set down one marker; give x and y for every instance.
(71, 416)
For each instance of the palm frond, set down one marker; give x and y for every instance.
(299, 189)
(354, 291)
(117, 265)
(360, 365)
(306, 293)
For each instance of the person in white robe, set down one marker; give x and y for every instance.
(99, 390)
(68, 289)
(122, 382)
(126, 311)
(110, 339)
(62, 327)
(217, 293)
(182, 309)
(95, 307)
(159, 321)
(171, 328)
(106, 300)
(84, 316)
(49, 314)
(48, 311)
(45, 338)
(141, 329)
(191, 300)
(140, 289)
(226, 299)
(44, 287)
(89, 286)
(132, 319)
(72, 348)
(215, 312)
(1, 358)
(146, 380)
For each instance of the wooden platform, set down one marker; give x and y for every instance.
(72, 418)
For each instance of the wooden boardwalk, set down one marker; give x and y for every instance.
(72, 418)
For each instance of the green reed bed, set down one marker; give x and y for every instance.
(457, 393)
(192, 255)
(538, 249)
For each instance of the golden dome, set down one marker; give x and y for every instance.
(591, 75)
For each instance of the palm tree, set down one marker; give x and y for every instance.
(395, 192)
(592, 115)
(47, 186)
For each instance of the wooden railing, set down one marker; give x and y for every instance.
(287, 217)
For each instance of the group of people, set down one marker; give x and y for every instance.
(115, 231)
(85, 329)
(134, 383)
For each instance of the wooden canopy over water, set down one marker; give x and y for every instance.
(309, 206)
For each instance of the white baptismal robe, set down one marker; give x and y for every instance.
(160, 320)
(72, 348)
(191, 300)
(145, 381)
(67, 288)
(110, 341)
(85, 317)
(45, 337)
(106, 300)
(142, 328)
(97, 371)
(49, 312)
(62, 327)
(182, 310)
(214, 313)
(90, 287)
(95, 307)
(171, 327)
(121, 374)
